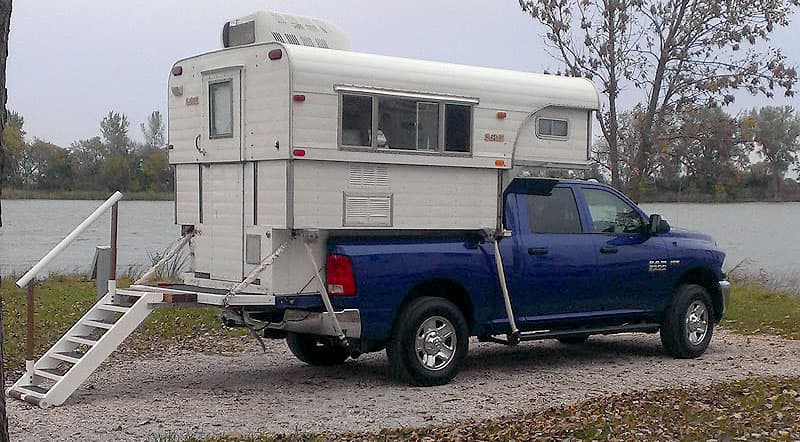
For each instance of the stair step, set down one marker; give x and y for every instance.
(49, 373)
(30, 390)
(85, 340)
(113, 308)
(98, 323)
(68, 356)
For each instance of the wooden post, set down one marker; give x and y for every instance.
(29, 336)
(112, 274)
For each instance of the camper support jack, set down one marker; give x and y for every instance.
(323, 290)
(513, 337)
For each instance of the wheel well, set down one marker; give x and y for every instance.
(447, 289)
(707, 279)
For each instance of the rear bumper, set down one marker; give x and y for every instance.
(319, 323)
(725, 290)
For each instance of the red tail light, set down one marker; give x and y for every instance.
(341, 281)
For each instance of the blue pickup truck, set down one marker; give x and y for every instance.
(578, 258)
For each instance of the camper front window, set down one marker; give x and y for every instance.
(550, 127)
(220, 109)
(357, 120)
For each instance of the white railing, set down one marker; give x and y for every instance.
(36, 269)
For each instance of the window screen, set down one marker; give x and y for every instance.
(407, 124)
(457, 123)
(610, 214)
(552, 128)
(356, 120)
(221, 109)
(554, 213)
(241, 34)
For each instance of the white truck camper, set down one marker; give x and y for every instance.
(285, 129)
(284, 137)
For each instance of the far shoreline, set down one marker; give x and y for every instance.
(100, 195)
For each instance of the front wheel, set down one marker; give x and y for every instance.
(316, 350)
(688, 322)
(429, 342)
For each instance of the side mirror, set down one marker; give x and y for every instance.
(657, 225)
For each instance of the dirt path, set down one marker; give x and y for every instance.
(195, 394)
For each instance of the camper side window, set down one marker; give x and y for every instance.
(357, 120)
(458, 122)
(549, 127)
(220, 109)
(407, 124)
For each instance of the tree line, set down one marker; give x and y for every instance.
(109, 161)
(682, 60)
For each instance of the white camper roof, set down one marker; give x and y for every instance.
(322, 70)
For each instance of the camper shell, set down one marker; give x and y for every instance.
(271, 137)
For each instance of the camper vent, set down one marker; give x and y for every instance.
(307, 41)
(368, 175)
(278, 37)
(367, 210)
(321, 43)
(291, 38)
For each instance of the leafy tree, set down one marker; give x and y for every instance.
(87, 157)
(117, 173)
(775, 135)
(114, 129)
(707, 145)
(15, 146)
(153, 131)
(681, 53)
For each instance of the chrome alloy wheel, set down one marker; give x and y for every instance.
(697, 322)
(435, 343)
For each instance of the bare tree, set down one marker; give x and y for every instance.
(680, 53)
(5, 25)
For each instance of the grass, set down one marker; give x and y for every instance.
(27, 194)
(755, 309)
(756, 408)
(62, 300)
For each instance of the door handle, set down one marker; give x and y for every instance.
(538, 251)
(608, 249)
(197, 145)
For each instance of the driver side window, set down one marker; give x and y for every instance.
(611, 214)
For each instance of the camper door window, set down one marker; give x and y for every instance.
(220, 109)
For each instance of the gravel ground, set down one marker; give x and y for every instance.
(200, 394)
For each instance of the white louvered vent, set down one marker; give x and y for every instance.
(368, 175)
(264, 26)
(367, 210)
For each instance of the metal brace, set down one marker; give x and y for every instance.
(310, 237)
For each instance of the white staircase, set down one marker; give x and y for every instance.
(68, 363)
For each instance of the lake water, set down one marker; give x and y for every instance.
(757, 235)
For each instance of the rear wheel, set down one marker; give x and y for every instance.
(688, 322)
(316, 350)
(429, 342)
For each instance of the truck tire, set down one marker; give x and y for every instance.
(429, 342)
(315, 350)
(688, 322)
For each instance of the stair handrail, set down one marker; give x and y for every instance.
(55, 251)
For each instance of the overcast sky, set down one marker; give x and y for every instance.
(70, 62)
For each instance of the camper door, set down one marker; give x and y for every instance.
(221, 176)
(222, 135)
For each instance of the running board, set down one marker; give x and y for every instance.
(555, 334)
